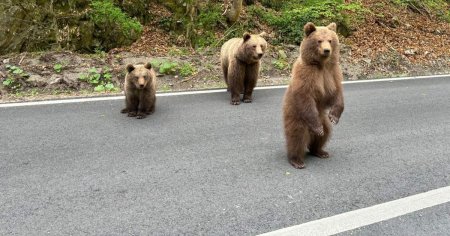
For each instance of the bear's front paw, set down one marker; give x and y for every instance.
(318, 130)
(235, 102)
(140, 115)
(247, 100)
(132, 114)
(125, 110)
(334, 120)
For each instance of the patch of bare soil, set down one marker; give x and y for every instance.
(399, 40)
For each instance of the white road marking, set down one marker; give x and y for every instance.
(366, 216)
(112, 98)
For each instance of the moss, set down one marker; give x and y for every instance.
(72, 24)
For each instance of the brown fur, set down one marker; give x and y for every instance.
(140, 91)
(314, 99)
(240, 59)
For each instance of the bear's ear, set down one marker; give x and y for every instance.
(148, 65)
(309, 28)
(246, 37)
(130, 68)
(263, 34)
(332, 26)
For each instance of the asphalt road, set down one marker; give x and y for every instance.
(199, 166)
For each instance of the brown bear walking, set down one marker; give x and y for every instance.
(314, 97)
(140, 91)
(241, 59)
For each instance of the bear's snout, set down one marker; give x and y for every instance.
(141, 83)
(326, 51)
(260, 55)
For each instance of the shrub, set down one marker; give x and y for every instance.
(289, 23)
(164, 66)
(114, 28)
(204, 26)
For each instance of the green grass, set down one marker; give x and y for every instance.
(187, 69)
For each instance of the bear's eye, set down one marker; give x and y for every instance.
(329, 41)
(254, 46)
(320, 41)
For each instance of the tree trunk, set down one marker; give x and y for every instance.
(235, 10)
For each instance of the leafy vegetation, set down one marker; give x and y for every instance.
(114, 26)
(100, 79)
(78, 25)
(58, 67)
(14, 79)
(289, 21)
(187, 69)
(168, 67)
(280, 64)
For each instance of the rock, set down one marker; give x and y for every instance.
(367, 60)
(410, 52)
(71, 79)
(68, 79)
(68, 25)
(37, 80)
(55, 79)
(438, 32)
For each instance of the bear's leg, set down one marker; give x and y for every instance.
(318, 142)
(125, 110)
(225, 74)
(132, 105)
(236, 75)
(144, 104)
(296, 140)
(251, 77)
(151, 109)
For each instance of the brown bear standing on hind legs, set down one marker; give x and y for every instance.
(314, 97)
(240, 59)
(140, 91)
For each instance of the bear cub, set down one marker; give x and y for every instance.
(314, 98)
(240, 60)
(140, 91)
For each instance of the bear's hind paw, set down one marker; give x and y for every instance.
(297, 164)
(320, 154)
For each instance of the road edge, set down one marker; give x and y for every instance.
(207, 91)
